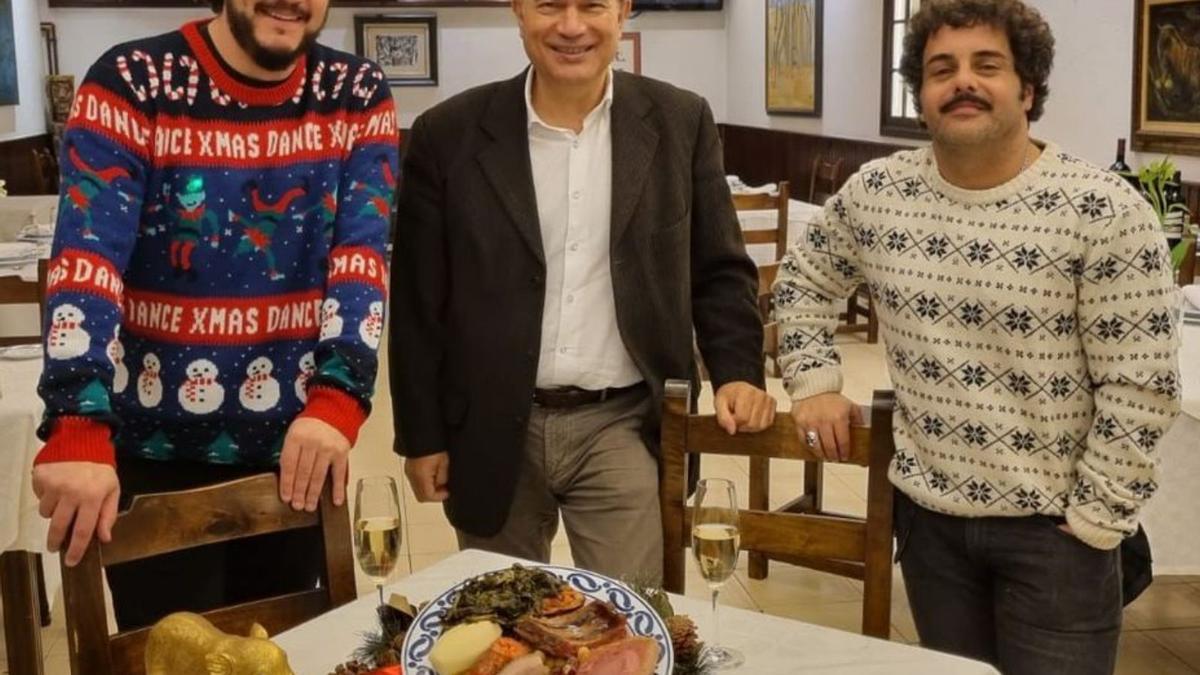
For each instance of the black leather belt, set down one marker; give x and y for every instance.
(573, 397)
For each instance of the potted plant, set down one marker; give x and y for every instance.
(1157, 182)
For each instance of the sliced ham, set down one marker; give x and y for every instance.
(592, 625)
(530, 664)
(631, 656)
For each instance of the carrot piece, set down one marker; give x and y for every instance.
(498, 655)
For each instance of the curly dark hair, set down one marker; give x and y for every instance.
(1029, 37)
(217, 5)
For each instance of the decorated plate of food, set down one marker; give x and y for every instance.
(543, 620)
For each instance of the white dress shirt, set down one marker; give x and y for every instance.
(572, 178)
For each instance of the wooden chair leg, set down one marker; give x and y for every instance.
(872, 322)
(22, 625)
(43, 600)
(852, 308)
(814, 485)
(760, 500)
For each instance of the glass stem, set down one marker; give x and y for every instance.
(716, 621)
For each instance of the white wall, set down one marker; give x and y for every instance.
(28, 118)
(1088, 109)
(474, 46)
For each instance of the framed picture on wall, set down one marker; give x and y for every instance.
(793, 64)
(9, 92)
(405, 47)
(1166, 76)
(629, 53)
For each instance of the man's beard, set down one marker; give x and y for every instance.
(242, 26)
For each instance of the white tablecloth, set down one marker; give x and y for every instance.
(18, 211)
(800, 215)
(21, 528)
(771, 644)
(1171, 516)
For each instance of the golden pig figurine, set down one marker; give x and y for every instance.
(187, 644)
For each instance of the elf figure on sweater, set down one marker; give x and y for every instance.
(206, 403)
(193, 221)
(1027, 305)
(260, 228)
(379, 198)
(82, 183)
(326, 210)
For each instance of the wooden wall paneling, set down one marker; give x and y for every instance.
(16, 163)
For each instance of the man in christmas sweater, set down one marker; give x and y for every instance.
(1026, 302)
(232, 130)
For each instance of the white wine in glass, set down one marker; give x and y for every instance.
(377, 528)
(715, 545)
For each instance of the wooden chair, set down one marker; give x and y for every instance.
(1186, 274)
(157, 524)
(852, 547)
(765, 202)
(16, 291)
(854, 310)
(825, 180)
(45, 171)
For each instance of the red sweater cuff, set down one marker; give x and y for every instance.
(78, 439)
(337, 409)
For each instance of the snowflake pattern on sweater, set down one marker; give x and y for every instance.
(205, 221)
(1030, 334)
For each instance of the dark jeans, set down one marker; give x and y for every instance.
(1015, 592)
(206, 577)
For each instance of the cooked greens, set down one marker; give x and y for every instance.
(503, 596)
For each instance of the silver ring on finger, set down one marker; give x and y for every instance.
(811, 438)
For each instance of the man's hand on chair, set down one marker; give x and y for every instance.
(429, 476)
(823, 422)
(80, 497)
(311, 450)
(743, 407)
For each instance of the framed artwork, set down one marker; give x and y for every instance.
(793, 63)
(9, 93)
(1166, 77)
(629, 53)
(405, 47)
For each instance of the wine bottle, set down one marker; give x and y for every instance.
(1120, 166)
(1173, 203)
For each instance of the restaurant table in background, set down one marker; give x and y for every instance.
(22, 530)
(770, 644)
(800, 216)
(19, 211)
(1171, 516)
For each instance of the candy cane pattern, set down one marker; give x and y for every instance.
(193, 80)
(342, 69)
(318, 73)
(218, 96)
(359, 91)
(151, 74)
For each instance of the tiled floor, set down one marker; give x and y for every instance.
(1162, 629)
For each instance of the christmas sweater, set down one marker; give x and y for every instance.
(1030, 332)
(218, 263)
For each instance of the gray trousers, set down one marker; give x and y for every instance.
(591, 465)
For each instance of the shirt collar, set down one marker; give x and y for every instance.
(534, 119)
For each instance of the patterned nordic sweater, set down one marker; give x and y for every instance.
(217, 267)
(1029, 328)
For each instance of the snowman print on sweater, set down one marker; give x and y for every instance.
(149, 384)
(66, 338)
(201, 393)
(259, 391)
(371, 327)
(308, 368)
(116, 355)
(331, 322)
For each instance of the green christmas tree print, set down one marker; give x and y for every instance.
(93, 399)
(223, 450)
(158, 446)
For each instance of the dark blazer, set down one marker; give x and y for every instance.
(468, 275)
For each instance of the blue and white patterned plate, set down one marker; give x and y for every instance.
(643, 620)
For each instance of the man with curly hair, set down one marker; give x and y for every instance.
(1026, 301)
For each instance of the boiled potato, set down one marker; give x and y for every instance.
(461, 646)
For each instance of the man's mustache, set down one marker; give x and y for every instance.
(965, 98)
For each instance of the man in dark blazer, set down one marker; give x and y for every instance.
(561, 238)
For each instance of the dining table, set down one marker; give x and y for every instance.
(771, 644)
(22, 530)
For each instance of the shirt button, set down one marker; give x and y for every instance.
(562, 350)
(575, 144)
(570, 299)
(576, 194)
(575, 247)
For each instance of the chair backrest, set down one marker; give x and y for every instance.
(826, 175)
(777, 235)
(17, 291)
(766, 278)
(156, 524)
(859, 548)
(45, 171)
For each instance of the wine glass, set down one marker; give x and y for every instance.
(715, 545)
(377, 528)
